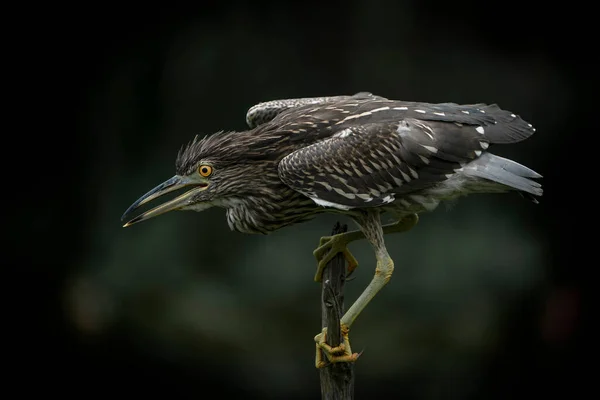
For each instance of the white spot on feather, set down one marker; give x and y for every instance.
(365, 197)
(465, 111)
(513, 115)
(404, 175)
(431, 149)
(484, 145)
(441, 114)
(343, 133)
(477, 152)
(325, 184)
(380, 109)
(420, 111)
(413, 173)
(353, 116)
(375, 192)
(427, 130)
(400, 108)
(480, 129)
(350, 196)
(325, 203)
(397, 181)
(424, 159)
(388, 199)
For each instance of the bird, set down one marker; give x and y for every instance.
(360, 155)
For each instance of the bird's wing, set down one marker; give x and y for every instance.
(266, 111)
(370, 164)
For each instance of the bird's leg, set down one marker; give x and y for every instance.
(329, 246)
(341, 353)
(372, 230)
(370, 225)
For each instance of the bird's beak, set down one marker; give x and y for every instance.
(175, 183)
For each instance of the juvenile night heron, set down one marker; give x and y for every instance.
(361, 156)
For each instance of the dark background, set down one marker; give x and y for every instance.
(487, 297)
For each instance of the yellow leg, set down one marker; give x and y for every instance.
(383, 274)
(341, 353)
(371, 229)
(329, 246)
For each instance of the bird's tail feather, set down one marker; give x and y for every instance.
(505, 172)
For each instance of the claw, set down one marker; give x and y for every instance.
(337, 354)
(352, 263)
(325, 243)
(329, 247)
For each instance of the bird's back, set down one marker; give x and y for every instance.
(371, 151)
(315, 121)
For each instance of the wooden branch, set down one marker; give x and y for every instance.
(337, 380)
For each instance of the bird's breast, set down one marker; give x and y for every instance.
(268, 212)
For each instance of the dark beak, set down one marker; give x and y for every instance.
(175, 183)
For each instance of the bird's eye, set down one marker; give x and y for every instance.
(205, 170)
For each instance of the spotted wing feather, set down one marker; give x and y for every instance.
(320, 120)
(500, 126)
(369, 165)
(264, 112)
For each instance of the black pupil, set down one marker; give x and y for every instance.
(204, 170)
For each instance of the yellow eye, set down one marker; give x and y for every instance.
(205, 170)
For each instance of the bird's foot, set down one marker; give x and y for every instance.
(337, 354)
(329, 247)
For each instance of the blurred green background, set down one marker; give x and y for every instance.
(485, 301)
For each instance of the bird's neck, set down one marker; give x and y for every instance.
(255, 214)
(244, 214)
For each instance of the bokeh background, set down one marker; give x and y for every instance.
(486, 300)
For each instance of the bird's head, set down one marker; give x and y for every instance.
(211, 169)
